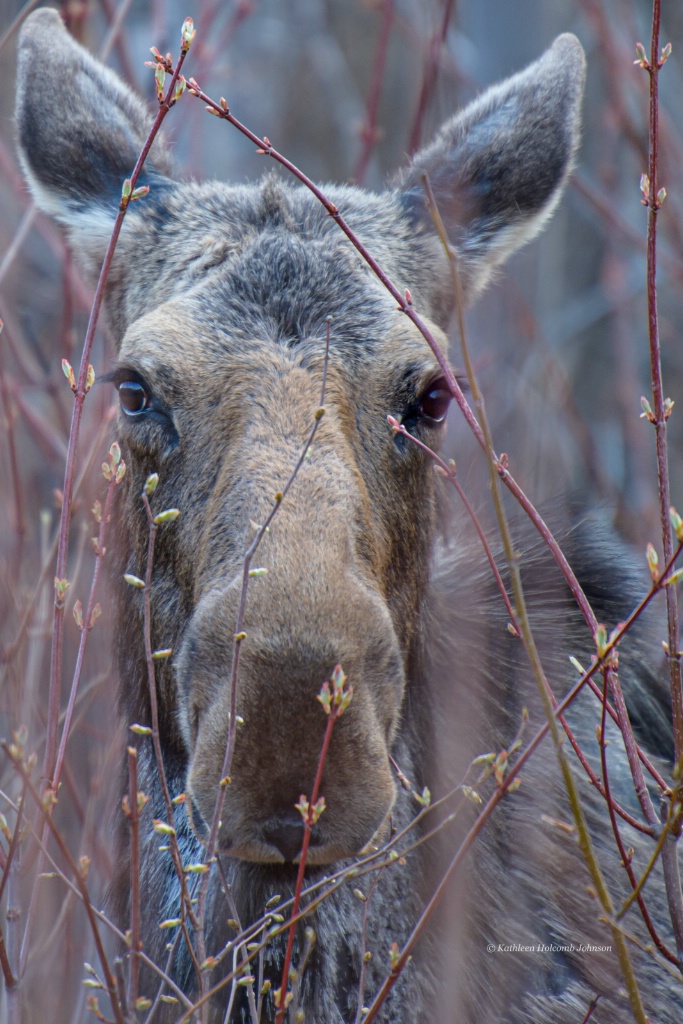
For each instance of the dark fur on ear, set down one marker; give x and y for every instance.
(103, 125)
(498, 168)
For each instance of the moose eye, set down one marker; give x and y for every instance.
(434, 402)
(133, 397)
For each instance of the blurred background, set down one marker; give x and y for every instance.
(346, 89)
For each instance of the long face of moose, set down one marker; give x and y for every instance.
(220, 298)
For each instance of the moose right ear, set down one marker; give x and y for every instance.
(497, 169)
(80, 131)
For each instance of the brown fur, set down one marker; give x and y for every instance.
(219, 297)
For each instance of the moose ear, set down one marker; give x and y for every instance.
(497, 169)
(80, 129)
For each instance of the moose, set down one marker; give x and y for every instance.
(228, 304)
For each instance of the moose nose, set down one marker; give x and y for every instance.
(286, 833)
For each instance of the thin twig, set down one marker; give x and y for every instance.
(659, 416)
(310, 810)
(365, 956)
(431, 70)
(608, 675)
(661, 413)
(79, 874)
(105, 920)
(11, 961)
(673, 821)
(10, 980)
(591, 1010)
(187, 908)
(134, 846)
(239, 946)
(87, 621)
(81, 389)
(369, 133)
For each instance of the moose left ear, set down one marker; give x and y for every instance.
(497, 169)
(80, 130)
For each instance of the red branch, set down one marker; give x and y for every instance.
(308, 828)
(79, 398)
(431, 71)
(369, 133)
(660, 411)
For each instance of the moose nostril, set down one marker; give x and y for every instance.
(286, 833)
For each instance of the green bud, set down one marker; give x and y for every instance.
(162, 828)
(424, 798)
(642, 60)
(676, 523)
(69, 373)
(601, 640)
(188, 34)
(140, 730)
(167, 516)
(162, 654)
(151, 484)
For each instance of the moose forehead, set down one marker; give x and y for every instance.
(255, 279)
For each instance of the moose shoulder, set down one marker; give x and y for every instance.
(220, 297)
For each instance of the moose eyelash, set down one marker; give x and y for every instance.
(120, 374)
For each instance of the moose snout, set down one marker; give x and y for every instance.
(285, 832)
(280, 724)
